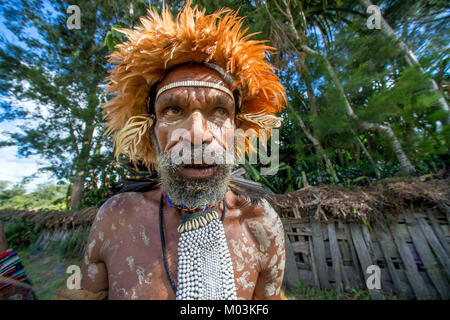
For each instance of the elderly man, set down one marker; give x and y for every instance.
(182, 88)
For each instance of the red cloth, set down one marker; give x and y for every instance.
(5, 253)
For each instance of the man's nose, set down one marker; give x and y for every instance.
(198, 129)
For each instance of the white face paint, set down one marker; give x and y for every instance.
(220, 125)
(165, 124)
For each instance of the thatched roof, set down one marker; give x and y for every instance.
(53, 219)
(370, 203)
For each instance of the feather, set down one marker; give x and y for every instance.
(247, 189)
(128, 138)
(140, 180)
(265, 121)
(161, 42)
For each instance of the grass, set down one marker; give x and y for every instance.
(47, 270)
(303, 292)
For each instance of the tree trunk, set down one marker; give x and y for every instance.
(411, 59)
(82, 160)
(318, 148)
(300, 37)
(77, 190)
(312, 135)
(368, 155)
(405, 164)
(305, 180)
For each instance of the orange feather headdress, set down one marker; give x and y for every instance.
(162, 42)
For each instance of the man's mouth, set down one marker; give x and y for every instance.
(198, 170)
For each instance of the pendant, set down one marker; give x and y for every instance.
(193, 221)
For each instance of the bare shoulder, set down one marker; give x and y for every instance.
(265, 215)
(115, 211)
(110, 213)
(118, 204)
(265, 225)
(127, 206)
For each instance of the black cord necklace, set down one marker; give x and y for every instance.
(163, 241)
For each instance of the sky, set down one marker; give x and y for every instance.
(12, 167)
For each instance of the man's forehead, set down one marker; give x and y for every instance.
(192, 72)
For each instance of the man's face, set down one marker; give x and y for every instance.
(196, 124)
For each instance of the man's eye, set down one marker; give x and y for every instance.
(172, 111)
(221, 112)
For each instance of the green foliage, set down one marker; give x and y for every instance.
(59, 71)
(278, 182)
(20, 233)
(70, 247)
(113, 37)
(46, 269)
(381, 88)
(45, 197)
(303, 292)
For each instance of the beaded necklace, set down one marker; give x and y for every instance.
(185, 209)
(205, 270)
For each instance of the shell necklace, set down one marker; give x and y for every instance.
(205, 270)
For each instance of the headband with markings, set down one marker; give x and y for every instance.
(193, 83)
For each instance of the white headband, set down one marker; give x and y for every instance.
(193, 83)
